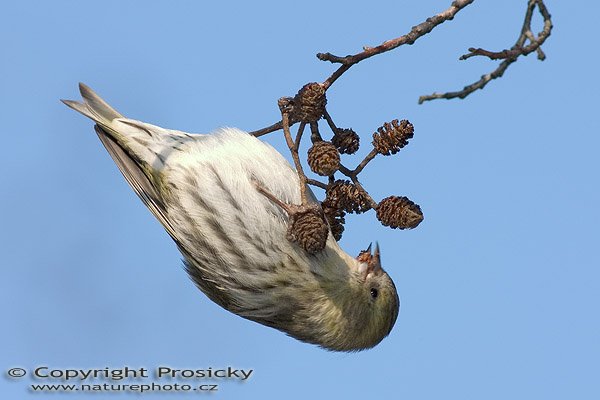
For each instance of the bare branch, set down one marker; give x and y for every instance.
(509, 55)
(317, 183)
(356, 182)
(416, 32)
(284, 106)
(493, 55)
(315, 135)
(330, 122)
(260, 132)
(308, 106)
(299, 135)
(365, 161)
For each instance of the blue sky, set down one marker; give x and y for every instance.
(499, 284)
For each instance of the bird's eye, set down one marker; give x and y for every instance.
(374, 293)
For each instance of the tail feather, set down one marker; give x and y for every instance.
(137, 139)
(81, 108)
(133, 147)
(93, 106)
(97, 105)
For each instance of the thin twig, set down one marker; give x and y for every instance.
(269, 195)
(275, 127)
(372, 202)
(467, 90)
(316, 183)
(315, 135)
(299, 135)
(493, 55)
(364, 162)
(353, 175)
(330, 122)
(346, 171)
(285, 119)
(540, 53)
(509, 55)
(416, 32)
(422, 29)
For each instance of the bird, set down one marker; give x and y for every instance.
(208, 192)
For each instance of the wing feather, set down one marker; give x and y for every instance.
(136, 178)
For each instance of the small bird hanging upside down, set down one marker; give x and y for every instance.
(220, 198)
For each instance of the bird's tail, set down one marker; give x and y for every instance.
(93, 107)
(140, 141)
(134, 146)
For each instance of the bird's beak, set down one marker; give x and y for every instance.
(365, 256)
(372, 260)
(375, 264)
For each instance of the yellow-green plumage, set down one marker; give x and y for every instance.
(202, 189)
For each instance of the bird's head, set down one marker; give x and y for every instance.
(358, 313)
(378, 299)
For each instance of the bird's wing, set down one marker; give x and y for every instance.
(138, 149)
(136, 178)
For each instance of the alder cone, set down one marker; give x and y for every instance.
(323, 158)
(308, 228)
(391, 137)
(399, 212)
(335, 218)
(344, 195)
(346, 140)
(309, 103)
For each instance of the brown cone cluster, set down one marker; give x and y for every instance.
(309, 224)
(344, 195)
(346, 141)
(323, 158)
(309, 103)
(391, 137)
(399, 212)
(308, 228)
